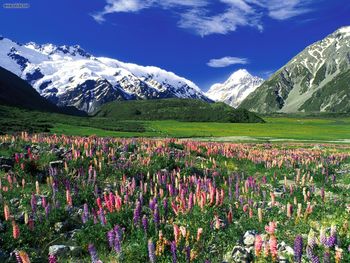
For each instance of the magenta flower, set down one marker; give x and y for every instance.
(52, 259)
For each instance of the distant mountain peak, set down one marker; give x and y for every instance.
(235, 89)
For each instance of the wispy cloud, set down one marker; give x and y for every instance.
(226, 61)
(198, 15)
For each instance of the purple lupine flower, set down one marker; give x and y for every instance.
(33, 203)
(85, 215)
(156, 217)
(151, 254)
(323, 238)
(165, 207)
(331, 241)
(322, 194)
(93, 253)
(118, 239)
(137, 212)
(326, 257)
(102, 217)
(52, 259)
(334, 234)
(47, 210)
(145, 223)
(349, 248)
(298, 248)
(188, 254)
(173, 251)
(311, 256)
(237, 190)
(111, 238)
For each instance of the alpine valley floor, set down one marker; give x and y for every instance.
(97, 199)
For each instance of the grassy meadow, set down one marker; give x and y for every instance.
(319, 129)
(276, 128)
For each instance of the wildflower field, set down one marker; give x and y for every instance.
(95, 199)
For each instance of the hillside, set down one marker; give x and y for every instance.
(16, 92)
(176, 109)
(316, 80)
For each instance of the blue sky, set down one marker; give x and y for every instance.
(202, 40)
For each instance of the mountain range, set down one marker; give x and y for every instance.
(315, 80)
(69, 76)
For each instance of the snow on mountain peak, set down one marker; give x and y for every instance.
(345, 30)
(234, 90)
(238, 75)
(69, 76)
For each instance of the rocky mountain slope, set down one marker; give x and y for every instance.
(18, 93)
(69, 76)
(234, 90)
(316, 80)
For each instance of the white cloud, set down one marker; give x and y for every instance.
(197, 15)
(282, 10)
(226, 61)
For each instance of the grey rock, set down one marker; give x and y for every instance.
(249, 238)
(239, 254)
(59, 250)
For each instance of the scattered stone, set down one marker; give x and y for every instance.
(35, 149)
(59, 250)
(249, 238)
(239, 254)
(278, 193)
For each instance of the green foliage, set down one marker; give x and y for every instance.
(175, 109)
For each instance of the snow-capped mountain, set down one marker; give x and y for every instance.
(317, 79)
(69, 76)
(234, 90)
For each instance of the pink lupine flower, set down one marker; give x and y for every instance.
(7, 212)
(273, 247)
(258, 245)
(69, 198)
(15, 230)
(176, 233)
(199, 233)
(183, 231)
(270, 229)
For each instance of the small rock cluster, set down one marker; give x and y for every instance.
(243, 252)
